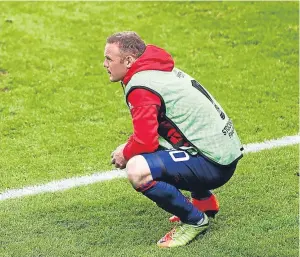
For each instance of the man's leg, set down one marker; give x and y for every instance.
(165, 195)
(205, 201)
(169, 198)
(192, 173)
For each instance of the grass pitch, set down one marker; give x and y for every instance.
(60, 117)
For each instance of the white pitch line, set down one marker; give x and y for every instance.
(63, 184)
(59, 185)
(269, 144)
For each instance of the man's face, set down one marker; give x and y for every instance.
(114, 63)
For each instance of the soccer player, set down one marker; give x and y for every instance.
(182, 138)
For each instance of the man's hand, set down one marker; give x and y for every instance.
(117, 157)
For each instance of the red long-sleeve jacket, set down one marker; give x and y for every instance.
(145, 106)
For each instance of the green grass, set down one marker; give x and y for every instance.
(60, 117)
(258, 217)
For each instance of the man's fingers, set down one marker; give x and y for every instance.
(113, 161)
(117, 158)
(120, 165)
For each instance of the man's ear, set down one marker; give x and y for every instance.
(129, 61)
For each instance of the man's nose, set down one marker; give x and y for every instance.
(105, 64)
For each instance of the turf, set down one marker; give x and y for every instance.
(60, 117)
(258, 217)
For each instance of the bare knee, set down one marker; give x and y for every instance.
(138, 171)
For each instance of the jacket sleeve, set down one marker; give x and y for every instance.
(144, 109)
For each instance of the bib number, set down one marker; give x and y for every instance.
(198, 86)
(179, 156)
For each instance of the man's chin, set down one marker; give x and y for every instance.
(113, 79)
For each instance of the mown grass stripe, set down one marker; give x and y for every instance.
(59, 185)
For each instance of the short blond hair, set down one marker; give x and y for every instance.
(129, 42)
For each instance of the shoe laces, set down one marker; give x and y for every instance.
(178, 231)
(169, 235)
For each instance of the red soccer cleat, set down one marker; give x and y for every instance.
(210, 206)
